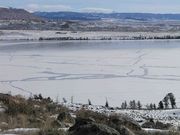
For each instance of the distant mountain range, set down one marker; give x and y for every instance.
(20, 19)
(100, 16)
(21, 14)
(17, 14)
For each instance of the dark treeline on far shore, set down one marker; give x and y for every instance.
(112, 38)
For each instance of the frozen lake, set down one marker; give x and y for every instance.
(118, 70)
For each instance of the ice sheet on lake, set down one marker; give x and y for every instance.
(118, 70)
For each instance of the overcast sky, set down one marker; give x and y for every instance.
(148, 6)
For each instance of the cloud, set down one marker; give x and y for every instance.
(96, 10)
(48, 8)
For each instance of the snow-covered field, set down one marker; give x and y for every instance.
(165, 116)
(97, 35)
(95, 70)
(171, 116)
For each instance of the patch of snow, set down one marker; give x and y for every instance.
(150, 130)
(2, 109)
(7, 134)
(22, 129)
(166, 116)
(64, 129)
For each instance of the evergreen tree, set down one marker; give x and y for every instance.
(64, 100)
(72, 99)
(124, 105)
(161, 105)
(107, 104)
(89, 102)
(139, 105)
(166, 102)
(154, 106)
(172, 100)
(132, 104)
(151, 106)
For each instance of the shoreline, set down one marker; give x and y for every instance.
(37, 35)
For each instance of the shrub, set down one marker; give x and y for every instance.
(98, 117)
(14, 108)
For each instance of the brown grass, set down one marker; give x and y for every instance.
(28, 113)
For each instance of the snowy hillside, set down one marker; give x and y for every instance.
(171, 116)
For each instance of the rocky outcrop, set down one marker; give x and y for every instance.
(65, 117)
(122, 120)
(160, 125)
(115, 125)
(124, 130)
(156, 125)
(90, 127)
(148, 124)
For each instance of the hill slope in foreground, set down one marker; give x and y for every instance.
(41, 116)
